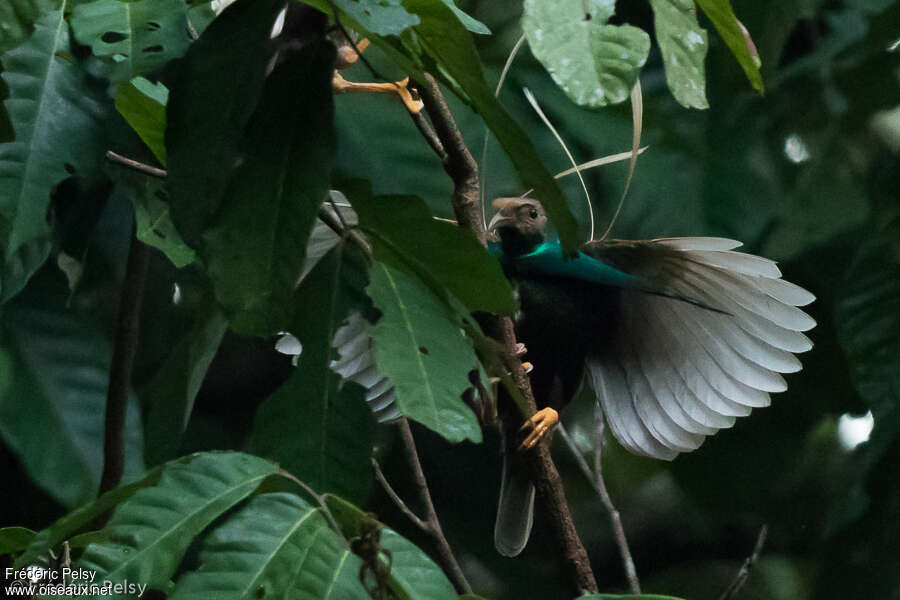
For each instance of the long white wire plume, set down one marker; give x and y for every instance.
(484, 147)
(637, 120)
(537, 108)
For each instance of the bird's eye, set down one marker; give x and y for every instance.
(533, 213)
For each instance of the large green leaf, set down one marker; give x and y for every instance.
(152, 216)
(726, 23)
(626, 597)
(56, 116)
(413, 574)
(256, 247)
(445, 39)
(868, 321)
(21, 265)
(54, 370)
(683, 45)
(315, 428)
(595, 63)
(170, 394)
(384, 17)
(420, 347)
(404, 225)
(143, 105)
(222, 76)
(149, 533)
(14, 539)
(78, 519)
(17, 19)
(136, 37)
(276, 546)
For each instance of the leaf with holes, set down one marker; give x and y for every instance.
(596, 64)
(149, 533)
(420, 347)
(57, 120)
(736, 38)
(133, 38)
(54, 369)
(277, 546)
(316, 428)
(683, 45)
(384, 17)
(143, 105)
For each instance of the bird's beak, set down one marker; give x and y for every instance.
(498, 220)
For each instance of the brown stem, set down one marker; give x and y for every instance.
(124, 350)
(461, 167)
(599, 485)
(431, 525)
(137, 166)
(741, 578)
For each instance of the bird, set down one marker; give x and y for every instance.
(678, 337)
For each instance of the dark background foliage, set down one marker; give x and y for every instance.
(808, 174)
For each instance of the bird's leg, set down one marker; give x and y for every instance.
(347, 56)
(540, 423)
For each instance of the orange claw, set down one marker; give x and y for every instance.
(541, 422)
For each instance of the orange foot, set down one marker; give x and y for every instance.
(413, 105)
(542, 422)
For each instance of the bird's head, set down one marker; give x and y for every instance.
(520, 223)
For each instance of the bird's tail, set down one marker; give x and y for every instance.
(515, 513)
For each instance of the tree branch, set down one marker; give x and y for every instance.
(137, 166)
(431, 525)
(599, 485)
(741, 578)
(124, 350)
(462, 169)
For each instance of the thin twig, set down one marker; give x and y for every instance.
(124, 350)
(431, 525)
(395, 497)
(463, 170)
(741, 578)
(615, 520)
(137, 166)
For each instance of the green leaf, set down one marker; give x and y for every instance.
(81, 517)
(404, 225)
(275, 546)
(594, 63)
(726, 23)
(170, 394)
(134, 38)
(222, 74)
(153, 220)
(150, 532)
(448, 42)
(56, 116)
(21, 265)
(867, 316)
(17, 19)
(15, 539)
(413, 574)
(420, 348)
(256, 247)
(471, 23)
(54, 371)
(315, 428)
(143, 105)
(683, 45)
(384, 17)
